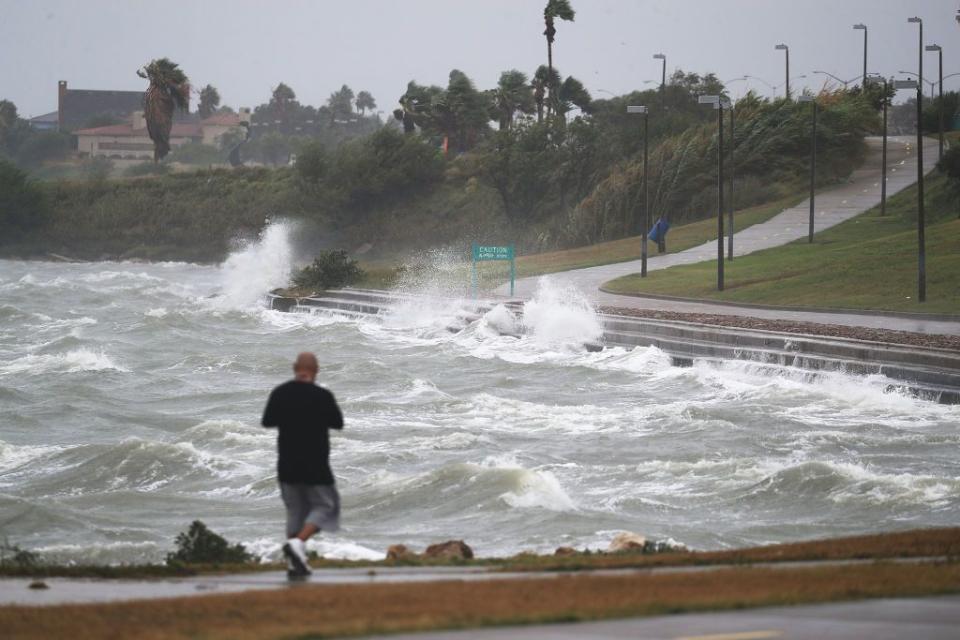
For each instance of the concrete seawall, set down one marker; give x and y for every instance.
(932, 374)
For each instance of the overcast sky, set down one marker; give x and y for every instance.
(246, 47)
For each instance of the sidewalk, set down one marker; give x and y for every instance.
(833, 206)
(933, 618)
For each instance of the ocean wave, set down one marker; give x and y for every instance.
(75, 361)
(268, 549)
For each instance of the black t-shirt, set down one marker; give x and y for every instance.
(304, 413)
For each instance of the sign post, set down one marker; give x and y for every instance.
(490, 253)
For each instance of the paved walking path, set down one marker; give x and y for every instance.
(17, 591)
(889, 619)
(833, 206)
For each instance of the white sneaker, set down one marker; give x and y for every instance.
(296, 553)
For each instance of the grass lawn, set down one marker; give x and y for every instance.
(868, 262)
(679, 238)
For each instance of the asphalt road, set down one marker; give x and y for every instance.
(890, 619)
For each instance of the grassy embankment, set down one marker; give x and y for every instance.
(323, 611)
(868, 262)
(679, 238)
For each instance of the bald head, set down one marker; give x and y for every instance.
(305, 367)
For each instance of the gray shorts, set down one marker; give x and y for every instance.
(317, 504)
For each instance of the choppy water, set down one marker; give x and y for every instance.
(130, 401)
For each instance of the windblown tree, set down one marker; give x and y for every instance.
(555, 9)
(340, 103)
(513, 95)
(572, 94)
(364, 102)
(416, 107)
(209, 101)
(545, 79)
(169, 90)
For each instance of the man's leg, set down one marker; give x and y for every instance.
(308, 531)
(298, 509)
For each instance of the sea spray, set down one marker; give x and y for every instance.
(434, 286)
(559, 314)
(249, 273)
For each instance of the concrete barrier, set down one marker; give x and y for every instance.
(932, 374)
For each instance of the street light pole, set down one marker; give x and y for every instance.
(733, 142)
(813, 162)
(863, 27)
(939, 50)
(883, 168)
(718, 103)
(921, 223)
(663, 75)
(646, 199)
(786, 50)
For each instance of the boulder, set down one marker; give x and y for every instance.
(627, 542)
(450, 550)
(565, 551)
(400, 552)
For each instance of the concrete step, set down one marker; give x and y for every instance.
(929, 373)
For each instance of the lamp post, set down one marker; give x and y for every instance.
(932, 83)
(663, 75)
(921, 223)
(718, 102)
(733, 141)
(845, 83)
(813, 161)
(646, 200)
(800, 77)
(786, 50)
(863, 27)
(939, 50)
(883, 168)
(770, 86)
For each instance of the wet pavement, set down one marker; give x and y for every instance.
(18, 591)
(936, 618)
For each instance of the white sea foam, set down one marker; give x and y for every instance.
(75, 361)
(560, 314)
(248, 274)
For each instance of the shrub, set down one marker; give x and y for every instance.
(22, 203)
(12, 555)
(949, 164)
(200, 545)
(148, 168)
(330, 270)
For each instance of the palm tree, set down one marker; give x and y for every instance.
(209, 101)
(365, 101)
(543, 80)
(169, 89)
(555, 9)
(513, 95)
(572, 94)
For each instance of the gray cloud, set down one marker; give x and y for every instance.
(245, 47)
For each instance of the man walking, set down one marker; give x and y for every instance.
(303, 414)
